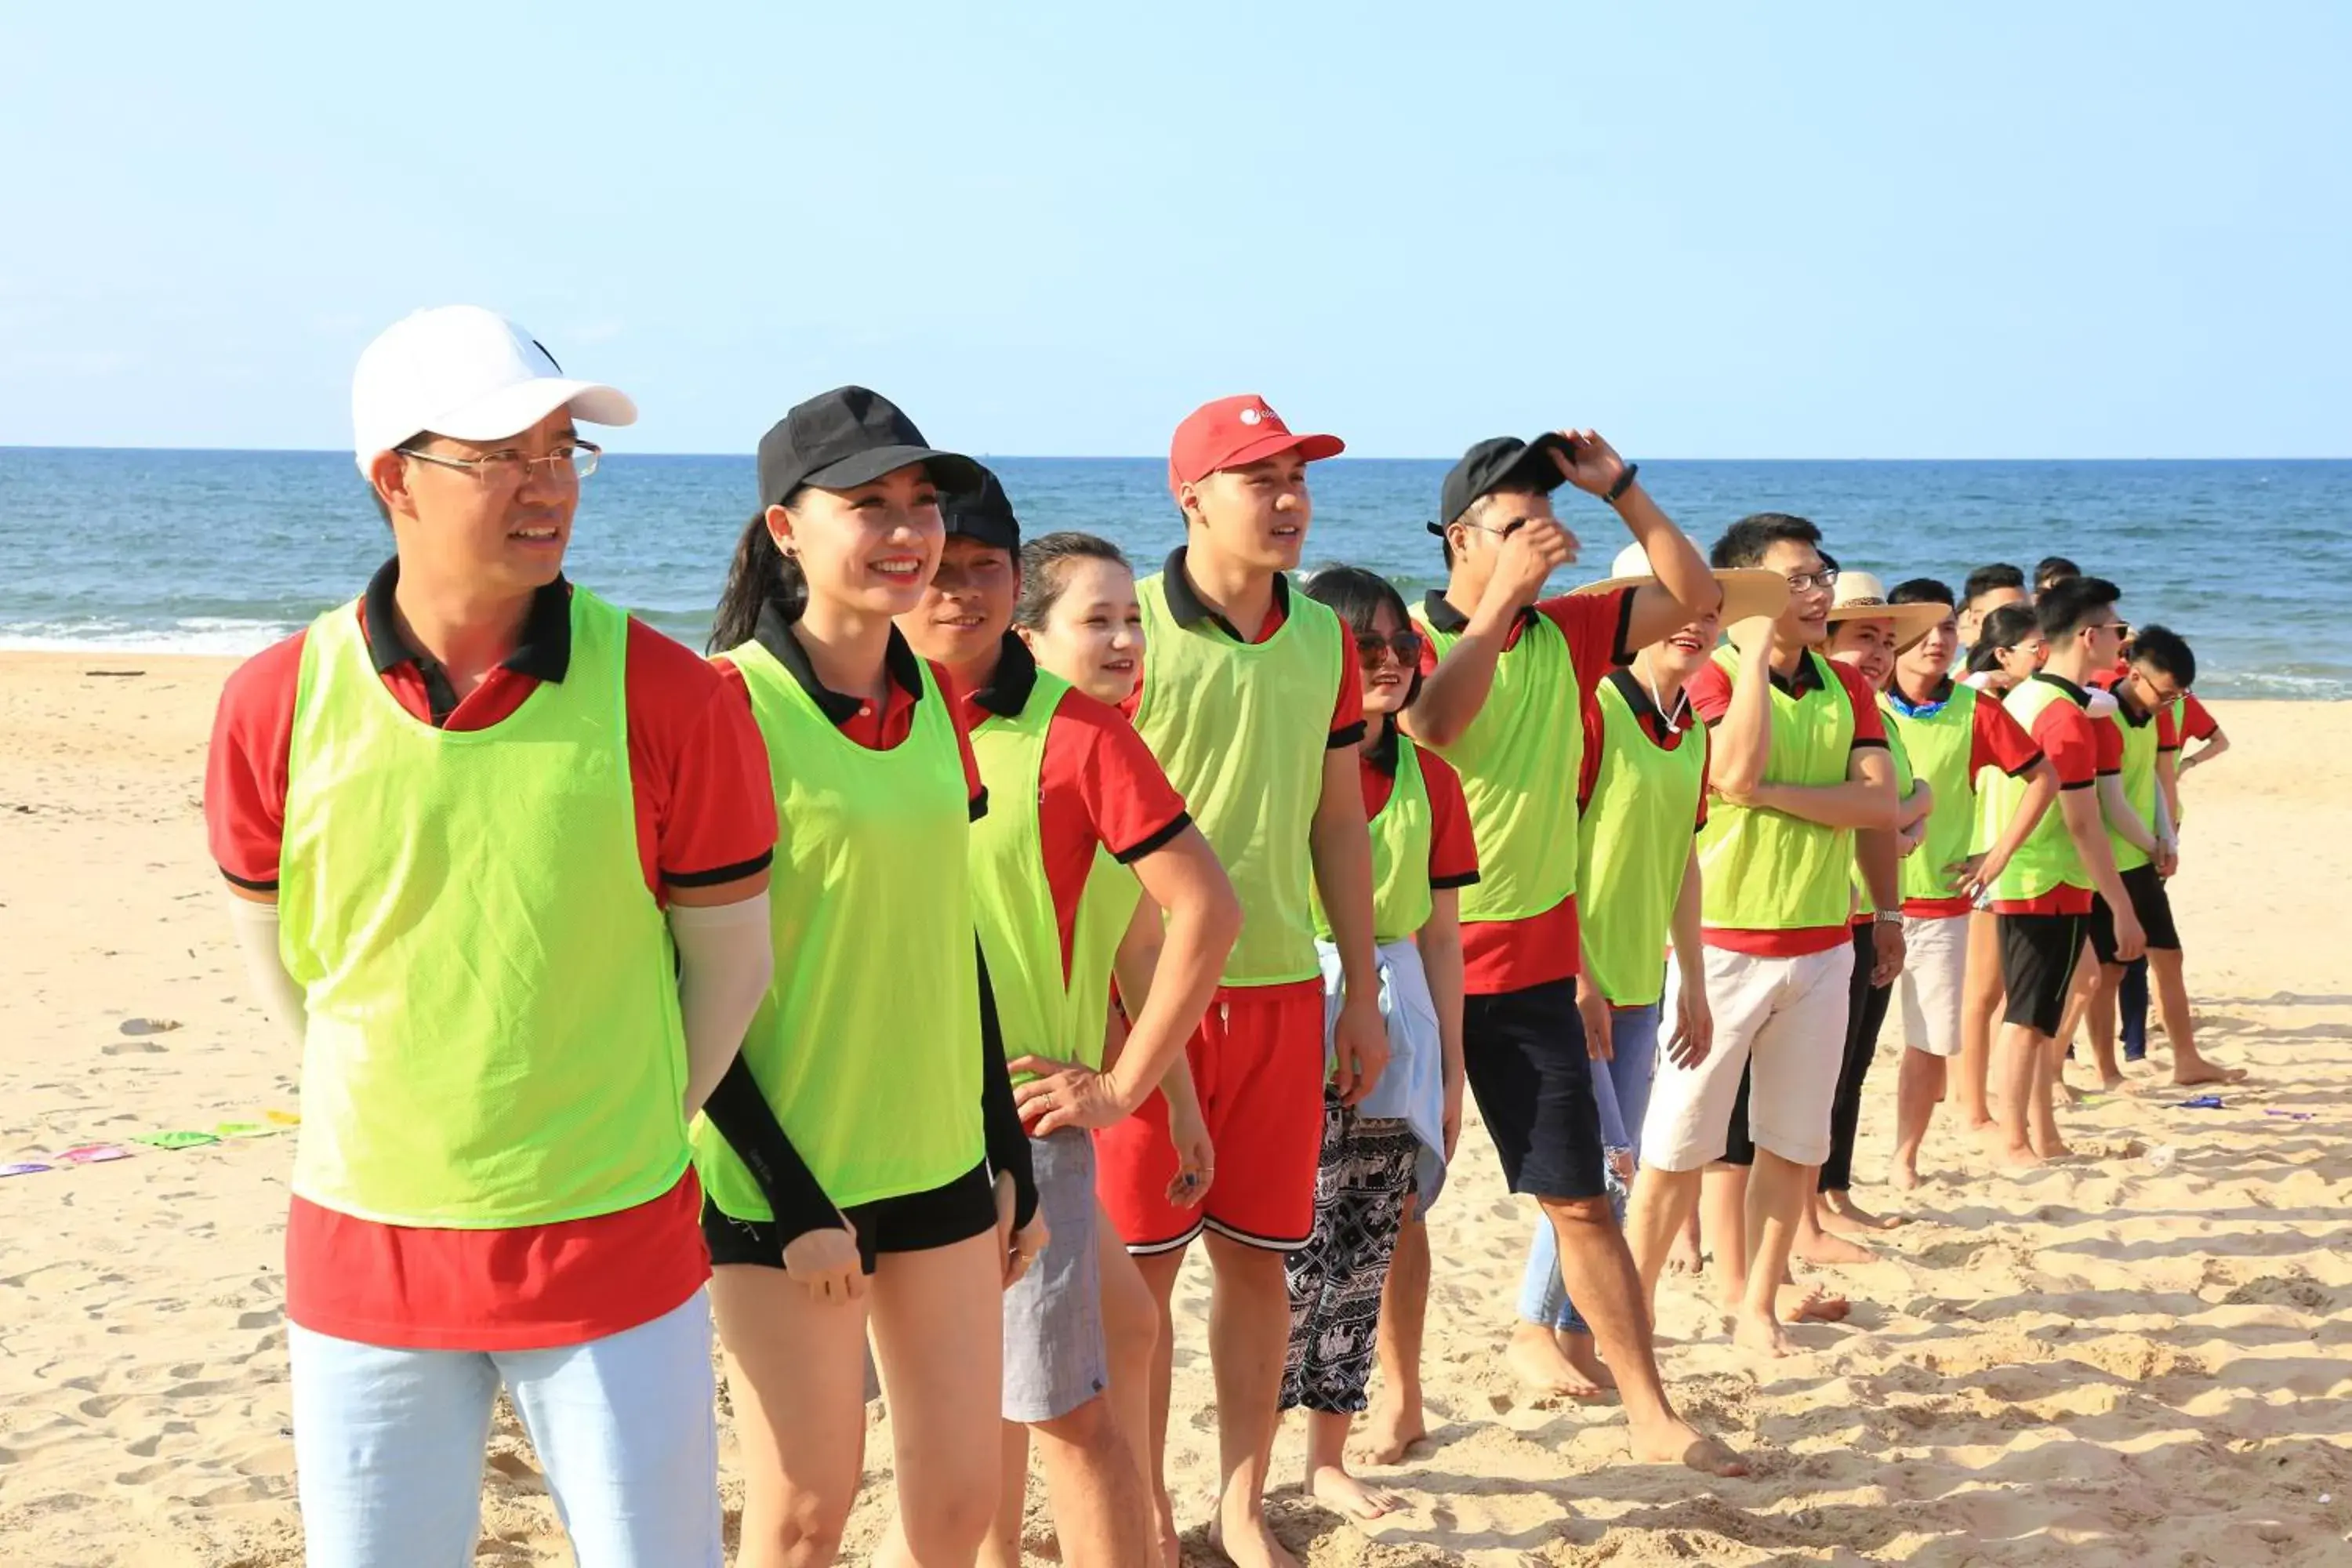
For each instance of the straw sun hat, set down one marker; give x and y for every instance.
(1746, 590)
(1861, 596)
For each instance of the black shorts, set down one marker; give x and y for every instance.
(1523, 1053)
(942, 1216)
(2149, 902)
(2038, 955)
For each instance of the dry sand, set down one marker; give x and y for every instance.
(2104, 1363)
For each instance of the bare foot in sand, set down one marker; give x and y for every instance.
(1536, 1359)
(2113, 1085)
(1817, 1305)
(2203, 1071)
(1248, 1541)
(1684, 1256)
(1585, 1356)
(1822, 1247)
(2019, 1157)
(1905, 1175)
(1171, 1543)
(1349, 1498)
(1838, 1211)
(1762, 1335)
(1677, 1442)
(2050, 1146)
(1389, 1431)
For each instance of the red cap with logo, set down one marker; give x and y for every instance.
(1233, 432)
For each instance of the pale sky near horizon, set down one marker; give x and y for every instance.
(2008, 230)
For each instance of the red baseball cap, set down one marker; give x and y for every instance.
(1233, 432)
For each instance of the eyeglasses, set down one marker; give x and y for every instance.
(1406, 646)
(2120, 628)
(1505, 531)
(1806, 582)
(509, 469)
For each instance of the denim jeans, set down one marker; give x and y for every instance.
(389, 1445)
(1621, 1086)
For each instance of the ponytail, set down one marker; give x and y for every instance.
(760, 574)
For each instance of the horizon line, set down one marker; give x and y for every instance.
(1153, 457)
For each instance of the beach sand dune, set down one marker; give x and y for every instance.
(2142, 1358)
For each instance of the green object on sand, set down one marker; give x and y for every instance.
(177, 1139)
(246, 1129)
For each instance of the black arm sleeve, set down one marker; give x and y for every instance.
(1008, 1141)
(744, 1118)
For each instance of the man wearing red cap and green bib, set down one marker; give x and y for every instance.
(500, 857)
(1502, 704)
(1251, 700)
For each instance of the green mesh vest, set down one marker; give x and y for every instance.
(1761, 870)
(867, 1045)
(1939, 747)
(494, 1038)
(1519, 760)
(2139, 783)
(1633, 839)
(1400, 844)
(2048, 858)
(1905, 782)
(1239, 729)
(1045, 1010)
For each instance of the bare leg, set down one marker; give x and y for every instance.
(1396, 1422)
(1327, 1480)
(2023, 1055)
(1980, 999)
(796, 1377)
(1688, 1256)
(1664, 1203)
(938, 1340)
(1002, 1547)
(1249, 1332)
(1159, 1270)
(2099, 1021)
(1536, 1357)
(1919, 1086)
(1723, 1216)
(1778, 1191)
(1096, 1488)
(1131, 1327)
(2172, 988)
(1599, 1273)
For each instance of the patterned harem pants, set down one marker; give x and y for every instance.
(1362, 1183)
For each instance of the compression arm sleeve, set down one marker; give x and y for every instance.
(1008, 1141)
(724, 959)
(255, 925)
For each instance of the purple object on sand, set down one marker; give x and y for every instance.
(23, 1168)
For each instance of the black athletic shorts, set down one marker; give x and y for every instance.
(1523, 1053)
(2149, 901)
(2038, 953)
(942, 1216)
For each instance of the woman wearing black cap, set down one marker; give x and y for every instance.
(867, 1128)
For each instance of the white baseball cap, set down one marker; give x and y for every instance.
(464, 372)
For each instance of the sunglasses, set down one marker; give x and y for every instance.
(1406, 646)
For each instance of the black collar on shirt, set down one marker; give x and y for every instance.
(774, 633)
(1809, 676)
(1185, 605)
(1383, 754)
(2074, 694)
(2137, 717)
(1645, 710)
(1443, 617)
(1007, 691)
(543, 653)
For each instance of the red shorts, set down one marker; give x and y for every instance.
(1258, 1067)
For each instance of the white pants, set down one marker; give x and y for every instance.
(388, 1445)
(1784, 1017)
(1935, 963)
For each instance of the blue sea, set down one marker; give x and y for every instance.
(222, 552)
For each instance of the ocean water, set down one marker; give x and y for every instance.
(222, 552)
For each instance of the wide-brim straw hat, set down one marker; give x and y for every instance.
(1861, 596)
(1747, 591)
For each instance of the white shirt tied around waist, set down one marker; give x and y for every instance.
(1412, 1087)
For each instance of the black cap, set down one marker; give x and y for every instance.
(1500, 462)
(983, 514)
(850, 437)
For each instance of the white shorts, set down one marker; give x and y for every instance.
(1786, 1014)
(1935, 964)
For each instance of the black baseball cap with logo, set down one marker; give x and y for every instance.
(983, 513)
(851, 437)
(1500, 462)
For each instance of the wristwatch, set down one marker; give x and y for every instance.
(1624, 482)
(1889, 917)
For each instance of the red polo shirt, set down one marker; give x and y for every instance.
(2080, 750)
(1452, 854)
(705, 816)
(1996, 740)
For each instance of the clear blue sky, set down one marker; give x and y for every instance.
(1870, 230)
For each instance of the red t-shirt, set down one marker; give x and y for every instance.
(1499, 956)
(705, 814)
(1996, 740)
(1452, 856)
(2079, 751)
(1709, 692)
(2196, 723)
(1099, 787)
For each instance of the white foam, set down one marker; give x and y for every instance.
(196, 634)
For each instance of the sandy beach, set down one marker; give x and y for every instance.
(2141, 1357)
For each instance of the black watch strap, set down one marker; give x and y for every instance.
(1624, 482)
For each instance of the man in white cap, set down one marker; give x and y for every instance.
(499, 855)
